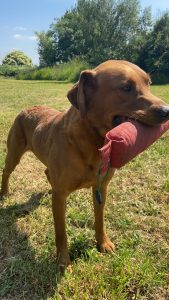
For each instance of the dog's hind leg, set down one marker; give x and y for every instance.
(16, 147)
(47, 175)
(48, 178)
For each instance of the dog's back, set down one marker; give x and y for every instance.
(29, 120)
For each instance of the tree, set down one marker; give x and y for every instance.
(47, 48)
(17, 58)
(97, 30)
(140, 38)
(155, 54)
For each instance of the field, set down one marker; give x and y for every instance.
(137, 219)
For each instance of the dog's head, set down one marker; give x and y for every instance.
(116, 91)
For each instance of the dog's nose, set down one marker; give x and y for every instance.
(164, 112)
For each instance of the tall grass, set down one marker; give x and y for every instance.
(68, 72)
(64, 72)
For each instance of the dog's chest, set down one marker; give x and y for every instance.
(90, 177)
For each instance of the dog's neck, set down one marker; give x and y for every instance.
(83, 128)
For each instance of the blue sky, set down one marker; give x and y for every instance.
(19, 19)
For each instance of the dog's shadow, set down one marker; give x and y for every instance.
(23, 274)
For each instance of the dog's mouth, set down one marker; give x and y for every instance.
(154, 116)
(117, 120)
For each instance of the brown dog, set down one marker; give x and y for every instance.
(67, 143)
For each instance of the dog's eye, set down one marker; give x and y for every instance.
(127, 88)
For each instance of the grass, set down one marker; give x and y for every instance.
(137, 220)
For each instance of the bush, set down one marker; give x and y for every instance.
(12, 70)
(160, 77)
(64, 72)
(17, 58)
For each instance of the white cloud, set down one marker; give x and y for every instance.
(21, 37)
(18, 36)
(20, 28)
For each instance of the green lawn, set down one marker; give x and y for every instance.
(137, 219)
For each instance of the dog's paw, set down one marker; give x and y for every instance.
(106, 246)
(3, 195)
(63, 264)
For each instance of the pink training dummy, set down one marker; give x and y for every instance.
(126, 141)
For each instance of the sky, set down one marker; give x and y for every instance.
(20, 19)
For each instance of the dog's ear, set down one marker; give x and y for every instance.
(80, 93)
(72, 95)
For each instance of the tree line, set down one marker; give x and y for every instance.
(98, 30)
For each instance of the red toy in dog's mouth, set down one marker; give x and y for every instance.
(127, 140)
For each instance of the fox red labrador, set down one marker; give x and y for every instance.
(67, 143)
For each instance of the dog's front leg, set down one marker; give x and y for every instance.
(59, 210)
(103, 241)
